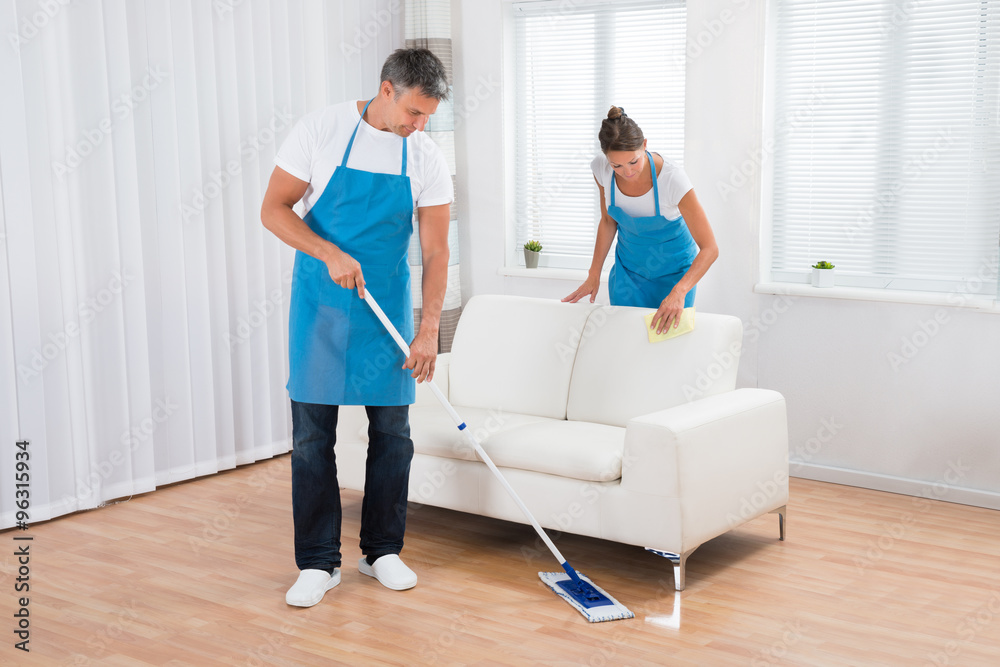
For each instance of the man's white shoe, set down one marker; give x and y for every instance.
(390, 572)
(310, 587)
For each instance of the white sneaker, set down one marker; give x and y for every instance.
(390, 572)
(310, 587)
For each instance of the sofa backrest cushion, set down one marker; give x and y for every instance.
(619, 374)
(516, 354)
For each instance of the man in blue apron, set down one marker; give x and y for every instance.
(361, 169)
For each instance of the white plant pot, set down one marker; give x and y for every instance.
(823, 277)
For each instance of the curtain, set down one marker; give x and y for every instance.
(428, 26)
(143, 307)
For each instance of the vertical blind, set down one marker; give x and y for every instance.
(572, 63)
(887, 143)
(142, 305)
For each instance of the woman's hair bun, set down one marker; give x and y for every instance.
(619, 132)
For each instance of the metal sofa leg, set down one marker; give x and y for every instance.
(679, 562)
(781, 512)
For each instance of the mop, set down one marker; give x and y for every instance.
(576, 589)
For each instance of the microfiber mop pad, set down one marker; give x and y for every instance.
(585, 596)
(685, 325)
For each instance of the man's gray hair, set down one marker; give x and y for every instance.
(416, 68)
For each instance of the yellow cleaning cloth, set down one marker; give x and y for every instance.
(686, 325)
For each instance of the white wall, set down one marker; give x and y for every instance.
(927, 425)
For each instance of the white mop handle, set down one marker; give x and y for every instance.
(465, 429)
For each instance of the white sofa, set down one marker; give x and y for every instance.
(600, 432)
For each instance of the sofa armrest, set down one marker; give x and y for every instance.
(726, 453)
(441, 369)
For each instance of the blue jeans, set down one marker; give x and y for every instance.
(316, 509)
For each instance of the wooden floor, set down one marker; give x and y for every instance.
(195, 574)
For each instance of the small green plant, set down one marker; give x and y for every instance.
(823, 265)
(533, 246)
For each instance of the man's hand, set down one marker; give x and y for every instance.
(344, 270)
(423, 355)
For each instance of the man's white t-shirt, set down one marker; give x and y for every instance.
(672, 182)
(316, 145)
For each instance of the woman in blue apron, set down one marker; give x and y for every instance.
(665, 242)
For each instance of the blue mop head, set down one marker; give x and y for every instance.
(586, 597)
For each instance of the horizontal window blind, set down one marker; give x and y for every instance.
(573, 63)
(887, 143)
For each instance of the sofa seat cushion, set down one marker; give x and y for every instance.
(578, 450)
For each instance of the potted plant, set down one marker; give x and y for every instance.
(531, 251)
(822, 275)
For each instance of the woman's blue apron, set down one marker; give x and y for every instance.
(652, 254)
(339, 352)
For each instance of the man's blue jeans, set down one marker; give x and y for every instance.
(316, 507)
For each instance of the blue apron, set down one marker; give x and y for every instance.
(339, 353)
(652, 254)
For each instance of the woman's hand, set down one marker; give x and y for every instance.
(590, 286)
(669, 312)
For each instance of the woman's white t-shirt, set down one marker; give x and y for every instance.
(672, 182)
(315, 147)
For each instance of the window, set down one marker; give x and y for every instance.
(887, 143)
(572, 62)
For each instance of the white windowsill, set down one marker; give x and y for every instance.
(548, 273)
(866, 294)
